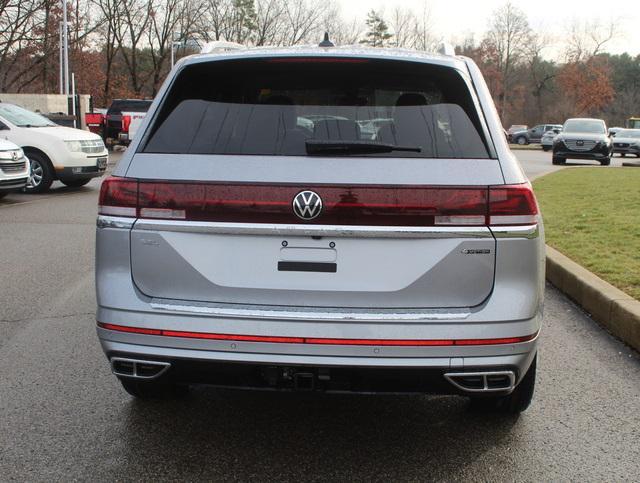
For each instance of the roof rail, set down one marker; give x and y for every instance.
(446, 48)
(220, 46)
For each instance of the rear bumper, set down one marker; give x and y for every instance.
(248, 366)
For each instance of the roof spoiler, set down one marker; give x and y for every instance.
(220, 46)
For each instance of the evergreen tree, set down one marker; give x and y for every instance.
(378, 34)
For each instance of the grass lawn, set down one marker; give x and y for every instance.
(592, 215)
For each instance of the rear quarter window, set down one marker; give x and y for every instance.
(279, 106)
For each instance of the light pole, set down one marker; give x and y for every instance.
(65, 41)
(175, 43)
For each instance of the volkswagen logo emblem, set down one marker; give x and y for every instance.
(307, 205)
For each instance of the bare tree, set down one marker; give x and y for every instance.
(20, 40)
(132, 26)
(588, 39)
(270, 22)
(509, 36)
(164, 18)
(109, 24)
(304, 19)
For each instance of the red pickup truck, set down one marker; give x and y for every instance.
(119, 124)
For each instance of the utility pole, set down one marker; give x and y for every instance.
(61, 49)
(65, 41)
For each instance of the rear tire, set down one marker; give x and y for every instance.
(516, 402)
(2, 195)
(153, 390)
(558, 160)
(41, 174)
(521, 140)
(605, 162)
(76, 183)
(546, 148)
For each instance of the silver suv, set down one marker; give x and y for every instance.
(254, 236)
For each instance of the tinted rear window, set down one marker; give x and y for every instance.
(129, 105)
(279, 106)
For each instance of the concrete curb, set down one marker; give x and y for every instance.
(618, 312)
(631, 164)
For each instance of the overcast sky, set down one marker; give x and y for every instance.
(456, 19)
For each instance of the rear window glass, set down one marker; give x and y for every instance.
(296, 107)
(129, 105)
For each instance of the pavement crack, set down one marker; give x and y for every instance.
(51, 317)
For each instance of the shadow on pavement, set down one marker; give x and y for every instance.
(244, 435)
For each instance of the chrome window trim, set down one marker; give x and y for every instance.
(342, 231)
(305, 313)
(525, 231)
(104, 221)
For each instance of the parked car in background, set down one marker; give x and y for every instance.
(236, 247)
(547, 138)
(632, 123)
(533, 135)
(515, 128)
(583, 138)
(627, 141)
(123, 118)
(72, 156)
(14, 167)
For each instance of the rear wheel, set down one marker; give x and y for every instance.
(605, 162)
(76, 183)
(514, 403)
(2, 195)
(41, 175)
(521, 140)
(153, 390)
(558, 160)
(546, 148)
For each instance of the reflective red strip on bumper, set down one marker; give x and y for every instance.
(318, 341)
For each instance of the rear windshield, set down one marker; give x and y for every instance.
(294, 107)
(587, 126)
(129, 105)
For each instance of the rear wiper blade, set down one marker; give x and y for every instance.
(317, 146)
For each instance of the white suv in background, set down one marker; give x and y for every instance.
(14, 168)
(72, 156)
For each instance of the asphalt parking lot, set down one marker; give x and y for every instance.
(63, 416)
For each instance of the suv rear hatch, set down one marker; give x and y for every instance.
(268, 185)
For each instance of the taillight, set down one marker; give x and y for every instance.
(126, 122)
(351, 205)
(512, 205)
(118, 197)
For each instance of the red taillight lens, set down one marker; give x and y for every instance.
(316, 60)
(362, 205)
(411, 206)
(118, 197)
(512, 205)
(126, 122)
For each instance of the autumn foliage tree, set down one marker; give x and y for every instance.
(587, 85)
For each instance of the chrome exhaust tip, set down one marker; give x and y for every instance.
(479, 382)
(138, 369)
